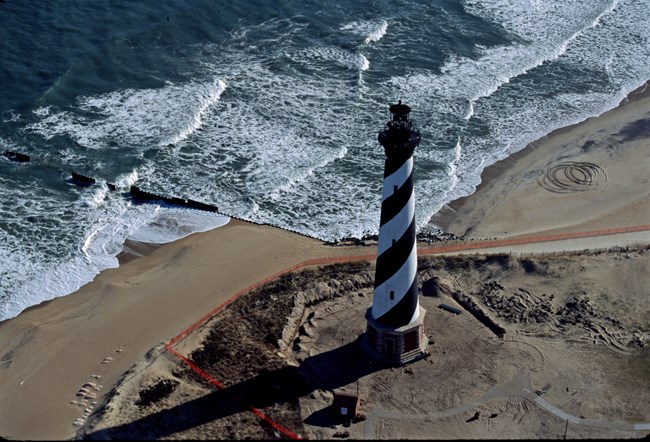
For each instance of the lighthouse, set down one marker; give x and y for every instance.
(395, 330)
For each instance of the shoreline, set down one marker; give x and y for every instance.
(443, 219)
(542, 148)
(136, 249)
(51, 350)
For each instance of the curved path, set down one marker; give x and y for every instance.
(518, 386)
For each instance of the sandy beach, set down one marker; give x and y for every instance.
(94, 335)
(588, 176)
(60, 360)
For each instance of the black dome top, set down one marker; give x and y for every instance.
(399, 109)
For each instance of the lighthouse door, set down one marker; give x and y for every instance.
(389, 346)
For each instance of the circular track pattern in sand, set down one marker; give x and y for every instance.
(573, 176)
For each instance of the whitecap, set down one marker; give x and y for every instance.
(371, 30)
(134, 118)
(343, 57)
(169, 224)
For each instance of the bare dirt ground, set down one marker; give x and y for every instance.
(573, 361)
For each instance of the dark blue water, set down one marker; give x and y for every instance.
(270, 110)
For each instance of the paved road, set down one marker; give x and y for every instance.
(596, 239)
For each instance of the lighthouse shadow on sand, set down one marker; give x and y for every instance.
(327, 371)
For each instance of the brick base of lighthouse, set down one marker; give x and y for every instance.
(395, 346)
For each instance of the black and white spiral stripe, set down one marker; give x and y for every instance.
(395, 300)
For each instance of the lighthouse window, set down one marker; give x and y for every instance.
(392, 295)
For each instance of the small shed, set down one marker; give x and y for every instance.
(346, 405)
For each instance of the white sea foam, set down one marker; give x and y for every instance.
(6, 145)
(304, 174)
(453, 166)
(209, 97)
(292, 142)
(557, 21)
(11, 117)
(36, 284)
(372, 30)
(170, 224)
(581, 36)
(14, 264)
(365, 64)
(96, 197)
(255, 151)
(469, 110)
(43, 255)
(377, 33)
(38, 252)
(134, 118)
(125, 181)
(342, 57)
(469, 79)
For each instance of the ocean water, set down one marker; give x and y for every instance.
(270, 110)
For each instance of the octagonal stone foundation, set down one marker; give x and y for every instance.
(395, 346)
